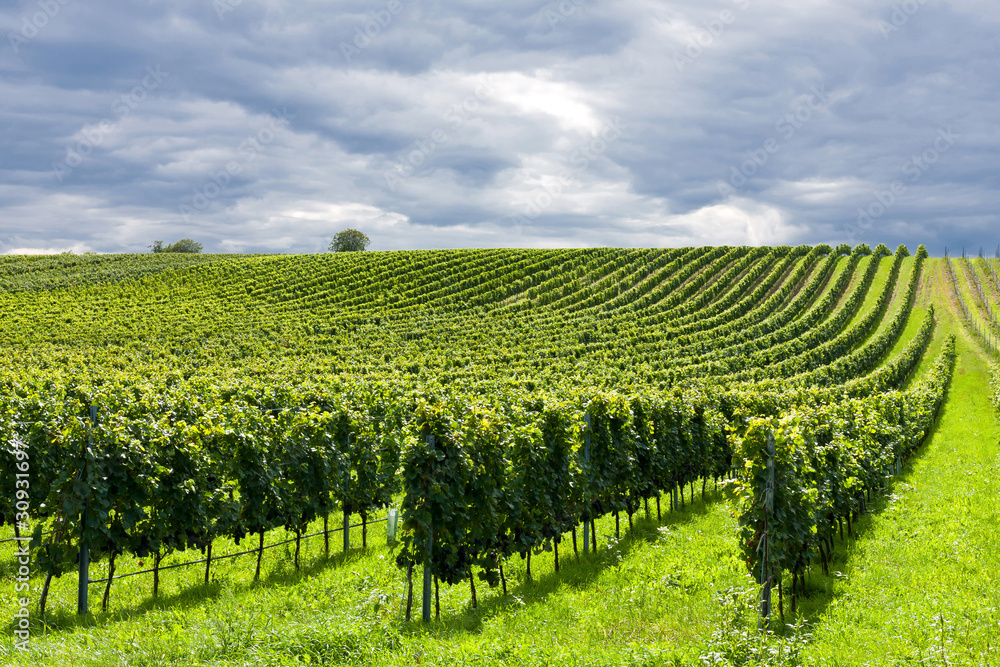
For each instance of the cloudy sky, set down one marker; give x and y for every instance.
(269, 125)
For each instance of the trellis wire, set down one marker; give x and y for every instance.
(235, 555)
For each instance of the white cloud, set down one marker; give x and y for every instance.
(76, 248)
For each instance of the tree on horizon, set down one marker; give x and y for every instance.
(349, 240)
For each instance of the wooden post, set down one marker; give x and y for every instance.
(427, 563)
(45, 595)
(84, 579)
(766, 574)
(83, 583)
(260, 554)
(156, 574)
(347, 491)
(111, 576)
(586, 499)
(409, 590)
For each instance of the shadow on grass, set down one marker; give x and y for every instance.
(8, 564)
(281, 574)
(574, 570)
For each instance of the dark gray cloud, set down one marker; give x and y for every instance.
(268, 125)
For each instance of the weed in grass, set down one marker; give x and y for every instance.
(739, 642)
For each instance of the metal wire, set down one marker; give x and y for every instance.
(224, 557)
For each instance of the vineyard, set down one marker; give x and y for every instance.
(511, 404)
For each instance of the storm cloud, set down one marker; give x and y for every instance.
(269, 125)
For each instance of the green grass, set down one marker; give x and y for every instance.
(878, 284)
(653, 597)
(852, 287)
(919, 584)
(132, 596)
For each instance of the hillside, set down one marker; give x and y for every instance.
(507, 401)
(600, 317)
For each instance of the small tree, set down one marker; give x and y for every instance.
(349, 240)
(184, 245)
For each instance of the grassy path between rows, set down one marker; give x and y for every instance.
(920, 584)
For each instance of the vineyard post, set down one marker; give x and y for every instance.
(84, 579)
(586, 498)
(347, 491)
(765, 593)
(427, 563)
